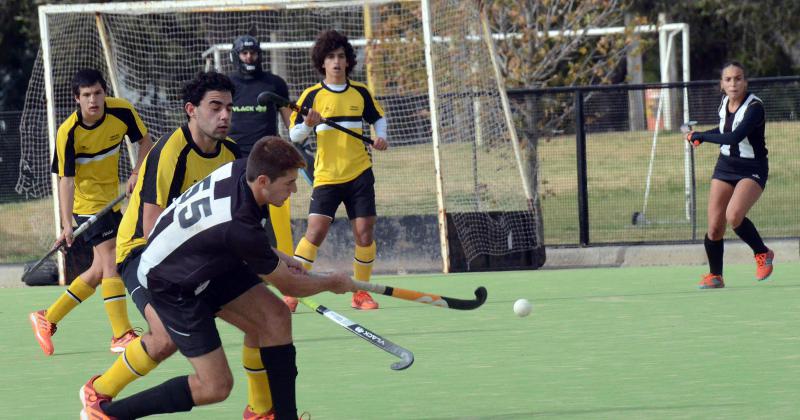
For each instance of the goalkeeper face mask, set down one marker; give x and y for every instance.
(240, 45)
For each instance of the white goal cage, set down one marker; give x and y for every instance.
(431, 63)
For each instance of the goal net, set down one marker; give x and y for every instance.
(453, 156)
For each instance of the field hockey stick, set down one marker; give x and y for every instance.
(373, 338)
(265, 98)
(687, 128)
(428, 298)
(82, 228)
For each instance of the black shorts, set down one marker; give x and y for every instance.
(103, 229)
(189, 316)
(733, 170)
(127, 269)
(357, 195)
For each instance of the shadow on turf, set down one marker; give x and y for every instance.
(589, 412)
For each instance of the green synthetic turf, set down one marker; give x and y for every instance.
(601, 343)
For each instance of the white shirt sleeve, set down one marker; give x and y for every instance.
(380, 127)
(299, 132)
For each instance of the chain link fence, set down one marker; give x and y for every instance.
(613, 166)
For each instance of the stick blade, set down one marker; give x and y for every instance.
(266, 98)
(408, 360)
(468, 304)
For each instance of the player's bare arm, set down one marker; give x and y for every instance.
(302, 285)
(66, 195)
(150, 213)
(286, 115)
(291, 263)
(145, 144)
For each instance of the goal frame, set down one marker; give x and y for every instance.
(254, 5)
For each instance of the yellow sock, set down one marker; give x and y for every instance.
(258, 394)
(132, 364)
(306, 253)
(77, 292)
(116, 307)
(282, 226)
(362, 263)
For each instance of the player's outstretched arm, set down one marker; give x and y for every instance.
(292, 283)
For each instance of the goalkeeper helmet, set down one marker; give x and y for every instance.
(244, 43)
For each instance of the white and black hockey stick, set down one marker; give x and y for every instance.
(407, 358)
(82, 228)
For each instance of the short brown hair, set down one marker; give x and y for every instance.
(272, 156)
(327, 42)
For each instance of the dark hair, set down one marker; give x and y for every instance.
(86, 78)
(272, 156)
(328, 41)
(195, 89)
(734, 64)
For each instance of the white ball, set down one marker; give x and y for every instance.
(522, 307)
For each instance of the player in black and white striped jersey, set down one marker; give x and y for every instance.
(208, 250)
(740, 175)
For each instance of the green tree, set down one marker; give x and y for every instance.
(764, 35)
(18, 29)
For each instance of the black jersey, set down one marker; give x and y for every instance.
(740, 133)
(252, 121)
(212, 228)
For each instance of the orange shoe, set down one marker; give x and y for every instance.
(43, 329)
(88, 394)
(118, 344)
(764, 265)
(362, 300)
(291, 302)
(711, 281)
(93, 411)
(249, 414)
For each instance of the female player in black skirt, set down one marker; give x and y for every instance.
(739, 176)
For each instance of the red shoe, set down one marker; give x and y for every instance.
(291, 302)
(43, 329)
(95, 412)
(764, 265)
(118, 344)
(711, 281)
(88, 394)
(249, 414)
(362, 300)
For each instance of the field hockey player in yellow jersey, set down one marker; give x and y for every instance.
(343, 164)
(86, 161)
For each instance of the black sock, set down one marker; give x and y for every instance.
(171, 396)
(280, 362)
(749, 234)
(714, 251)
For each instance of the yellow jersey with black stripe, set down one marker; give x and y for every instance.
(340, 157)
(172, 166)
(90, 154)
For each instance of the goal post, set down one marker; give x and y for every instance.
(454, 159)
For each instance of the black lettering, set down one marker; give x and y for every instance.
(192, 213)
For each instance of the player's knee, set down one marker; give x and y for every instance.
(734, 218)
(363, 239)
(275, 325)
(214, 389)
(92, 276)
(158, 346)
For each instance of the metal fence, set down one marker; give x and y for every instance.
(613, 166)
